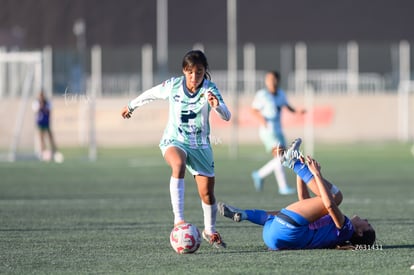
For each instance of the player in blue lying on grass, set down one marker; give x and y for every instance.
(311, 222)
(186, 141)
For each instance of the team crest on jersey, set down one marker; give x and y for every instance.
(165, 82)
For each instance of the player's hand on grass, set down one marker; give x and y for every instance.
(126, 113)
(212, 100)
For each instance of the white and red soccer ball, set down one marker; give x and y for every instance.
(185, 238)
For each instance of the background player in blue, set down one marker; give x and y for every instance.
(186, 139)
(267, 106)
(43, 109)
(311, 222)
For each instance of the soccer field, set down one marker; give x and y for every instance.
(114, 216)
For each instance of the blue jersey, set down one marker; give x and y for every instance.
(322, 233)
(43, 114)
(325, 234)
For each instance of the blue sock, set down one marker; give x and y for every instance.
(302, 170)
(256, 216)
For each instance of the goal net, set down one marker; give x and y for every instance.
(20, 81)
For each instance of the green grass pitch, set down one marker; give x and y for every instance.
(114, 216)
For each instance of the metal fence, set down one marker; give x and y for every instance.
(329, 68)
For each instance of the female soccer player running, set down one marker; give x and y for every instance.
(267, 106)
(308, 223)
(186, 142)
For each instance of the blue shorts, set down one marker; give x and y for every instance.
(199, 161)
(43, 127)
(279, 234)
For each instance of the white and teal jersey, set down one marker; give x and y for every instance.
(270, 106)
(188, 121)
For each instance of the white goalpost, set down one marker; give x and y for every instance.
(309, 128)
(405, 133)
(20, 79)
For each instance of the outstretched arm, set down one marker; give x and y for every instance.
(336, 193)
(312, 186)
(326, 196)
(157, 92)
(293, 110)
(314, 208)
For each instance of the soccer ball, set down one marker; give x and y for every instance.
(58, 157)
(185, 238)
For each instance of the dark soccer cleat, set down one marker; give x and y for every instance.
(230, 212)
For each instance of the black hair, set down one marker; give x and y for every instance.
(367, 238)
(276, 74)
(196, 57)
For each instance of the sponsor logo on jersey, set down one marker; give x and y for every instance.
(176, 98)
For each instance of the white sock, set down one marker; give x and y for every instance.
(268, 168)
(177, 188)
(280, 174)
(210, 213)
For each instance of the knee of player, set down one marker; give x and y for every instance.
(178, 166)
(207, 197)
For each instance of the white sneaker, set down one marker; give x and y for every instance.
(287, 191)
(292, 154)
(257, 181)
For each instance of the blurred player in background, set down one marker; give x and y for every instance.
(267, 106)
(43, 108)
(186, 141)
(311, 222)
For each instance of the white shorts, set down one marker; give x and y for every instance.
(271, 139)
(198, 161)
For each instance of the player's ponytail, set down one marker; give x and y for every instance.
(196, 57)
